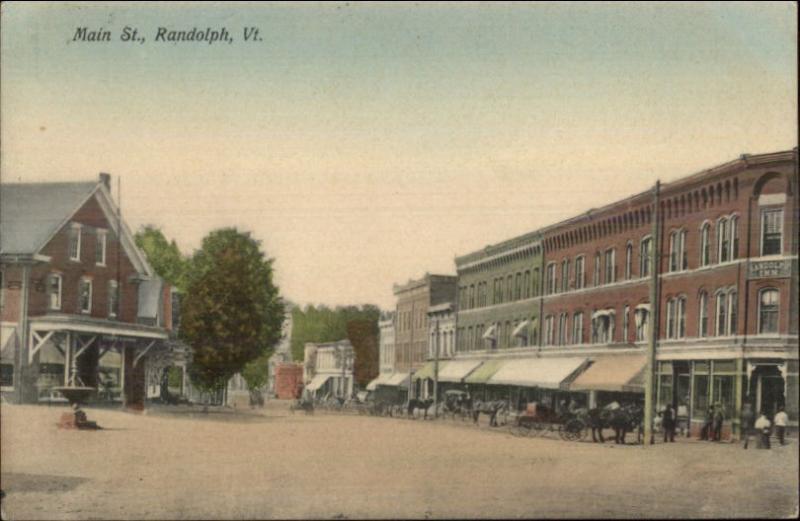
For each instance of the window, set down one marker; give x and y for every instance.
(768, 305)
(611, 268)
(75, 242)
(597, 269)
(702, 323)
(732, 309)
(100, 250)
(518, 286)
(625, 313)
(641, 317)
(580, 272)
(565, 275)
(54, 291)
(113, 298)
(535, 283)
(680, 311)
(471, 303)
(628, 261)
(677, 251)
(734, 235)
(645, 251)
(509, 288)
(6, 376)
(526, 284)
(722, 314)
(577, 328)
(603, 328)
(85, 296)
(723, 244)
(551, 278)
(671, 318)
(562, 329)
(705, 245)
(548, 330)
(772, 232)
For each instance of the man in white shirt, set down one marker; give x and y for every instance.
(762, 426)
(781, 419)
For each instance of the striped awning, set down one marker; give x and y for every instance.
(317, 382)
(456, 370)
(380, 380)
(399, 380)
(427, 371)
(482, 374)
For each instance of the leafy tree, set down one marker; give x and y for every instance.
(323, 324)
(363, 335)
(164, 256)
(256, 372)
(231, 311)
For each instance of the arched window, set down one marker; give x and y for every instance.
(642, 319)
(509, 288)
(768, 311)
(705, 244)
(597, 269)
(535, 283)
(565, 275)
(580, 272)
(550, 287)
(722, 313)
(611, 266)
(628, 260)
(733, 304)
(734, 237)
(723, 240)
(702, 321)
(645, 252)
(518, 286)
(577, 328)
(471, 296)
(526, 284)
(548, 330)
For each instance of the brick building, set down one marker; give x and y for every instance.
(79, 304)
(288, 377)
(718, 248)
(414, 300)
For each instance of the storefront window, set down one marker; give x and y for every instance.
(664, 390)
(700, 395)
(724, 394)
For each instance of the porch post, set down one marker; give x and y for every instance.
(123, 352)
(737, 434)
(68, 358)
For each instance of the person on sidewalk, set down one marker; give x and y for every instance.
(763, 427)
(719, 417)
(705, 432)
(781, 420)
(668, 423)
(748, 419)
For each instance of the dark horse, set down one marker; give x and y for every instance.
(414, 404)
(492, 408)
(627, 418)
(596, 419)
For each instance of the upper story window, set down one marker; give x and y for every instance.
(772, 232)
(645, 253)
(562, 329)
(723, 240)
(535, 283)
(676, 317)
(518, 286)
(625, 323)
(471, 296)
(54, 291)
(548, 330)
(113, 298)
(597, 269)
(721, 317)
(702, 322)
(677, 251)
(75, 242)
(100, 250)
(733, 224)
(565, 275)
(580, 272)
(628, 261)
(603, 328)
(577, 328)
(85, 295)
(550, 286)
(768, 307)
(509, 288)
(611, 266)
(526, 284)
(705, 245)
(642, 318)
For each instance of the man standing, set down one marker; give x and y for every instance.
(718, 419)
(748, 417)
(781, 419)
(705, 432)
(762, 426)
(668, 423)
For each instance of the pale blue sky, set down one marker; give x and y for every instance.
(366, 144)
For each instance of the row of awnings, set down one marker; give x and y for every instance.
(612, 373)
(396, 379)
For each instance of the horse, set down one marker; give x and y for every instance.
(596, 419)
(492, 408)
(624, 419)
(414, 404)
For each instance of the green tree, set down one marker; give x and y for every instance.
(231, 311)
(363, 336)
(164, 256)
(256, 372)
(323, 324)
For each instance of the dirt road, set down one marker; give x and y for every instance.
(276, 465)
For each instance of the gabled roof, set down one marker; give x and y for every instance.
(30, 213)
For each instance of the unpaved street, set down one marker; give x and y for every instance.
(277, 465)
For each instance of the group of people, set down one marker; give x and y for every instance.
(712, 423)
(762, 427)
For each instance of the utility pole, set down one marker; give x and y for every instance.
(650, 380)
(436, 373)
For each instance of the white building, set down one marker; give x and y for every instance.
(386, 345)
(328, 368)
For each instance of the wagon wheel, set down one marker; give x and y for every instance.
(573, 430)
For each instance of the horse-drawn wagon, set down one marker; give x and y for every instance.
(539, 419)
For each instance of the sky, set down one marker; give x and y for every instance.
(367, 144)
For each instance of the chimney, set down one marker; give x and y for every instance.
(106, 180)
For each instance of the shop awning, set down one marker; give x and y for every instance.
(482, 374)
(610, 373)
(399, 380)
(521, 330)
(457, 370)
(317, 382)
(490, 333)
(380, 380)
(550, 373)
(427, 371)
(7, 342)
